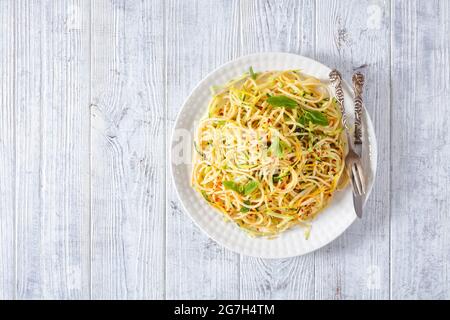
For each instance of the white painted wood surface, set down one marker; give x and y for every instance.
(7, 154)
(196, 267)
(127, 150)
(357, 36)
(89, 94)
(420, 215)
(50, 124)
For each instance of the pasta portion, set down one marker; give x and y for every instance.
(270, 153)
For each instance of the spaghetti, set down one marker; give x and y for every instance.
(270, 153)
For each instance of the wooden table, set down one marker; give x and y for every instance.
(89, 94)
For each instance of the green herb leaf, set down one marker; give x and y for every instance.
(231, 185)
(198, 150)
(281, 176)
(276, 147)
(252, 73)
(303, 120)
(319, 118)
(242, 189)
(245, 209)
(282, 101)
(250, 187)
(205, 195)
(316, 117)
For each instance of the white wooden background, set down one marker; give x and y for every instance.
(89, 93)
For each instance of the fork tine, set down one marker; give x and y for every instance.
(354, 184)
(361, 177)
(356, 180)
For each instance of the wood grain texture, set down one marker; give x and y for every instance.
(355, 35)
(52, 159)
(127, 150)
(65, 149)
(420, 168)
(201, 35)
(52, 153)
(277, 26)
(28, 206)
(7, 152)
(287, 26)
(89, 92)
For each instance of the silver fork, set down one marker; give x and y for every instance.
(352, 160)
(358, 83)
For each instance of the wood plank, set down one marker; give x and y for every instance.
(52, 154)
(127, 150)
(201, 35)
(28, 154)
(65, 149)
(7, 151)
(355, 35)
(420, 170)
(277, 26)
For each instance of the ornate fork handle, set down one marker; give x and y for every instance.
(352, 159)
(358, 83)
(336, 81)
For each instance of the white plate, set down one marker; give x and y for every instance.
(328, 225)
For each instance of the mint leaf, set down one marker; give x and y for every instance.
(242, 189)
(252, 73)
(280, 177)
(282, 101)
(316, 117)
(231, 185)
(276, 147)
(245, 209)
(303, 120)
(250, 187)
(205, 195)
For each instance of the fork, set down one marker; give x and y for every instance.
(358, 83)
(353, 159)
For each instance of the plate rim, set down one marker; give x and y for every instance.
(204, 80)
